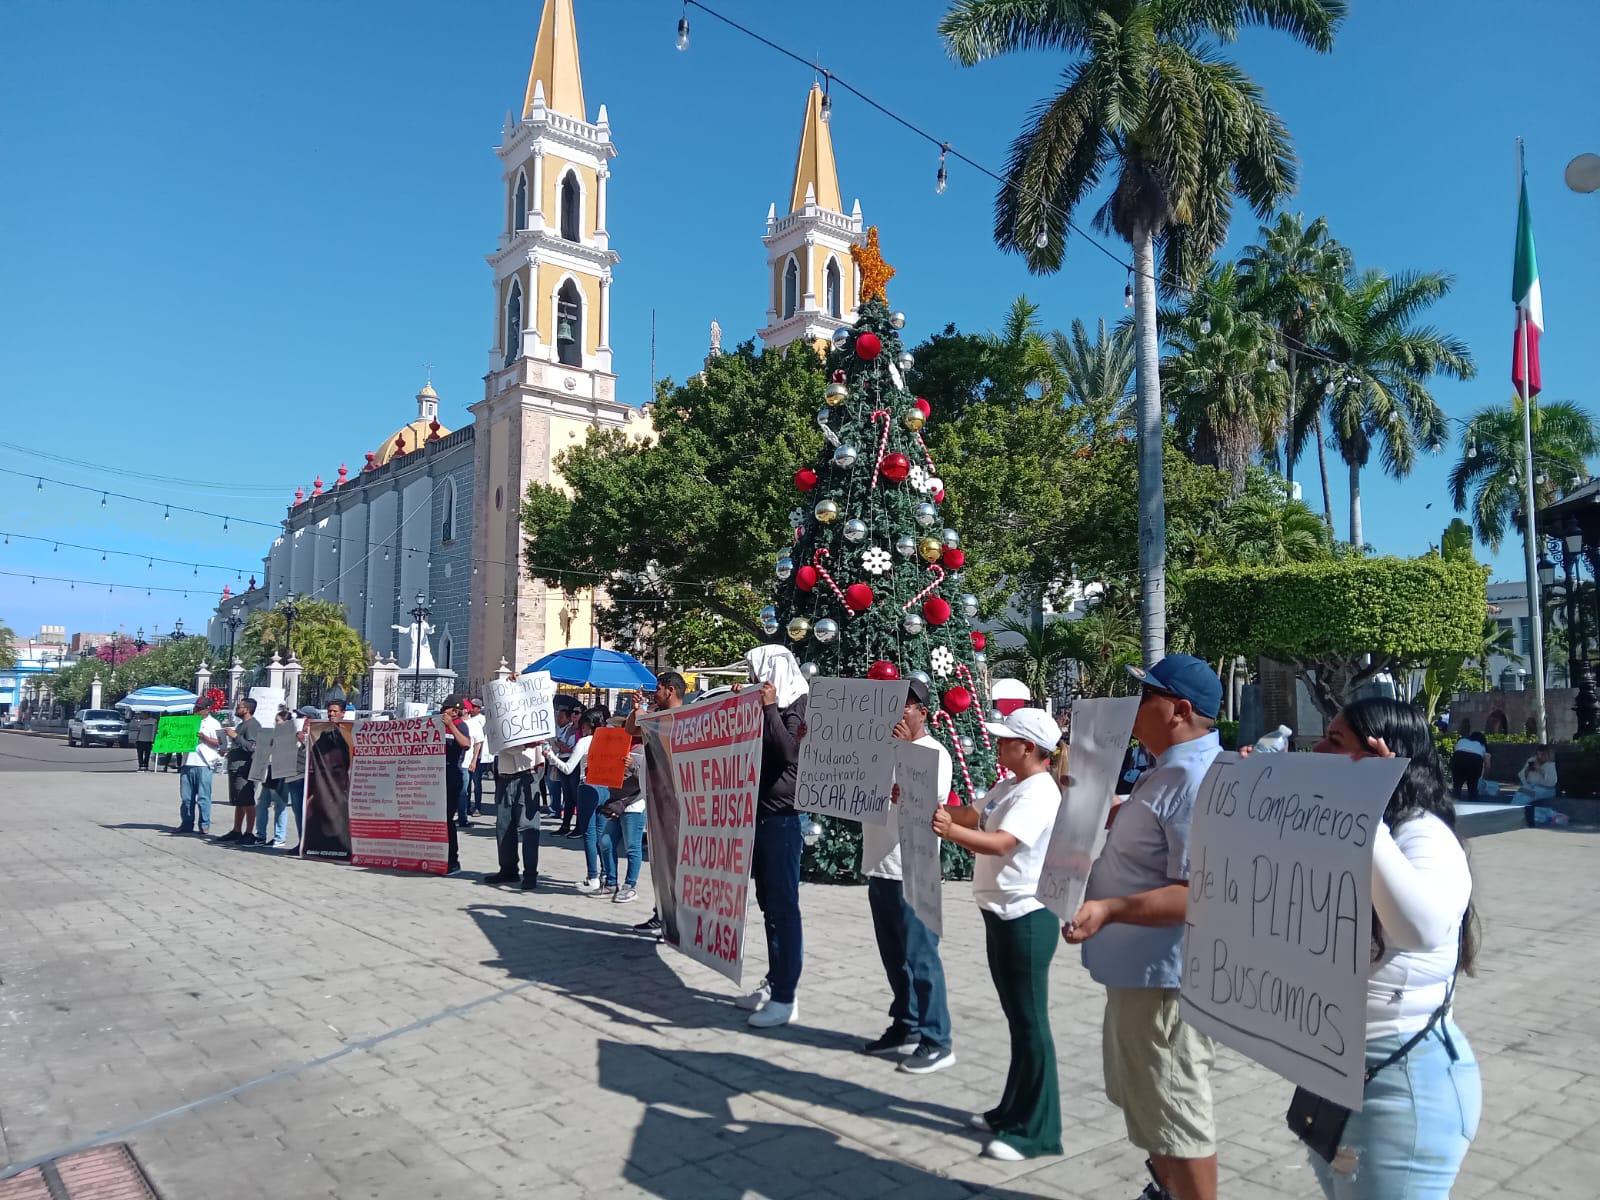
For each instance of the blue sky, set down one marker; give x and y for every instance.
(231, 236)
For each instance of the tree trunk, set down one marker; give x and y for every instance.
(1322, 466)
(1288, 427)
(1356, 538)
(1151, 428)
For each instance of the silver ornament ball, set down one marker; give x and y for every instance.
(845, 456)
(980, 795)
(913, 623)
(898, 320)
(855, 529)
(905, 360)
(784, 567)
(926, 514)
(951, 538)
(809, 670)
(969, 604)
(966, 744)
(905, 545)
(826, 630)
(979, 657)
(841, 335)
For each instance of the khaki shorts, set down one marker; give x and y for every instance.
(1158, 1072)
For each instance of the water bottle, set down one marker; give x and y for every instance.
(1276, 742)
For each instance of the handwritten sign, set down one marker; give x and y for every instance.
(177, 735)
(397, 802)
(519, 711)
(916, 772)
(1278, 943)
(1100, 732)
(275, 748)
(847, 758)
(607, 761)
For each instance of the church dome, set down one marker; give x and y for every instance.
(414, 435)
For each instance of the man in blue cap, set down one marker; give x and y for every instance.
(1157, 1069)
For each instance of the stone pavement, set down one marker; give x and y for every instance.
(257, 1026)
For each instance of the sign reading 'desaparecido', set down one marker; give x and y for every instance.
(519, 711)
(1278, 943)
(847, 757)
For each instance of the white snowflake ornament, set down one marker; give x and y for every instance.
(918, 479)
(876, 561)
(796, 518)
(943, 661)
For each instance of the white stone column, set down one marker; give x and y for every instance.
(235, 681)
(536, 201)
(502, 672)
(291, 682)
(95, 693)
(605, 312)
(600, 202)
(275, 677)
(202, 679)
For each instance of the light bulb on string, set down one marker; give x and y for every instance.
(167, 516)
(683, 29)
(1205, 326)
(1127, 292)
(56, 549)
(827, 99)
(1472, 447)
(942, 179)
(1041, 240)
(40, 488)
(1327, 390)
(102, 499)
(224, 524)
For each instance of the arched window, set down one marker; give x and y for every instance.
(446, 649)
(571, 206)
(447, 527)
(832, 283)
(569, 325)
(514, 322)
(791, 288)
(521, 205)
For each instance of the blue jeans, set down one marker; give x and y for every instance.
(194, 790)
(463, 805)
(590, 798)
(628, 831)
(910, 953)
(775, 869)
(274, 807)
(1418, 1118)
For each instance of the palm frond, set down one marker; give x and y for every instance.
(974, 30)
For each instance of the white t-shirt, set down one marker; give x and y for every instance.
(1470, 743)
(580, 753)
(518, 759)
(477, 725)
(203, 755)
(1007, 884)
(880, 844)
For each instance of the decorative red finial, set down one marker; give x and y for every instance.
(372, 462)
(299, 495)
(399, 444)
(433, 430)
(316, 486)
(226, 591)
(344, 473)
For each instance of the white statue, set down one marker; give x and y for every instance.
(716, 338)
(408, 635)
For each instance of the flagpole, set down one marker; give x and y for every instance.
(1530, 532)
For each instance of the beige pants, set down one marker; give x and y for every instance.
(1158, 1072)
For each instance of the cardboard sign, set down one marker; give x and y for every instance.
(1278, 943)
(916, 772)
(847, 758)
(607, 761)
(277, 747)
(268, 701)
(1100, 732)
(397, 799)
(519, 711)
(702, 772)
(178, 734)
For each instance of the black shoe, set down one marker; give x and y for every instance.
(499, 877)
(652, 926)
(463, 824)
(895, 1040)
(530, 885)
(231, 836)
(928, 1058)
(249, 839)
(574, 835)
(452, 869)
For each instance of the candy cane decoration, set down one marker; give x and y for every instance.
(983, 728)
(833, 438)
(926, 456)
(816, 561)
(883, 443)
(923, 594)
(961, 755)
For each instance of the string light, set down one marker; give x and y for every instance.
(1041, 240)
(942, 179)
(683, 29)
(167, 516)
(102, 499)
(1127, 292)
(827, 99)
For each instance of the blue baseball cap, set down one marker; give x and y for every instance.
(1186, 677)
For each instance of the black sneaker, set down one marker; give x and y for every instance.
(652, 926)
(928, 1058)
(530, 885)
(499, 877)
(895, 1040)
(248, 839)
(231, 836)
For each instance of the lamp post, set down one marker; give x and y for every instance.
(290, 611)
(235, 622)
(138, 640)
(177, 630)
(1587, 705)
(419, 614)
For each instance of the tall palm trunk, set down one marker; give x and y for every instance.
(1356, 538)
(1152, 492)
(1322, 466)
(1288, 426)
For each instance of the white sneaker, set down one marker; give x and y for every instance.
(773, 1013)
(1002, 1151)
(756, 999)
(589, 887)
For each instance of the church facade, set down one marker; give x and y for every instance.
(434, 512)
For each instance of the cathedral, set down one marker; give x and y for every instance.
(434, 511)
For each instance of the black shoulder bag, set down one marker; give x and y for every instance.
(1320, 1123)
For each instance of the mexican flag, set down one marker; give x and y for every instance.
(1525, 295)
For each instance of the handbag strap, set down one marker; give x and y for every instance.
(1416, 1038)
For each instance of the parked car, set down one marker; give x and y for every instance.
(104, 726)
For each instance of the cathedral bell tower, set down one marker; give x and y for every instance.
(813, 287)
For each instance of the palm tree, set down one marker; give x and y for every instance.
(1021, 356)
(1495, 639)
(1380, 389)
(1096, 379)
(1490, 466)
(1264, 532)
(1106, 643)
(8, 653)
(1043, 646)
(1221, 377)
(1294, 275)
(1150, 99)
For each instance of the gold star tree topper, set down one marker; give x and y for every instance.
(873, 272)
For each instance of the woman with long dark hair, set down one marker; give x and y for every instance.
(1422, 1103)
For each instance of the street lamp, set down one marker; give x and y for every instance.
(138, 640)
(419, 614)
(1587, 704)
(234, 622)
(177, 630)
(290, 611)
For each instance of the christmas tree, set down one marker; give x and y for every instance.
(872, 585)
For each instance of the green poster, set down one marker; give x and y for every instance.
(177, 735)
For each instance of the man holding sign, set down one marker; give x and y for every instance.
(1158, 1069)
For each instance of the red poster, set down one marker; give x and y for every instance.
(608, 757)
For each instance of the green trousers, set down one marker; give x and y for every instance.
(1028, 1117)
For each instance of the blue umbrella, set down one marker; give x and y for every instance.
(590, 666)
(159, 699)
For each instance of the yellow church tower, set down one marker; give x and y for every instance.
(549, 379)
(813, 285)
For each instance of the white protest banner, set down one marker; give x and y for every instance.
(1278, 942)
(847, 758)
(1100, 733)
(703, 767)
(397, 805)
(519, 711)
(917, 775)
(268, 701)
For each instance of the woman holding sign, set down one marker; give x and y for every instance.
(1010, 837)
(1423, 1095)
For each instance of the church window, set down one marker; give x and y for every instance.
(791, 288)
(514, 322)
(571, 203)
(569, 325)
(521, 204)
(446, 650)
(447, 528)
(833, 288)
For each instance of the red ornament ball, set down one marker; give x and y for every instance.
(805, 578)
(938, 497)
(953, 800)
(805, 479)
(895, 467)
(979, 639)
(923, 406)
(936, 610)
(858, 597)
(868, 346)
(883, 669)
(957, 700)
(954, 558)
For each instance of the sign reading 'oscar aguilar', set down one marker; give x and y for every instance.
(847, 759)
